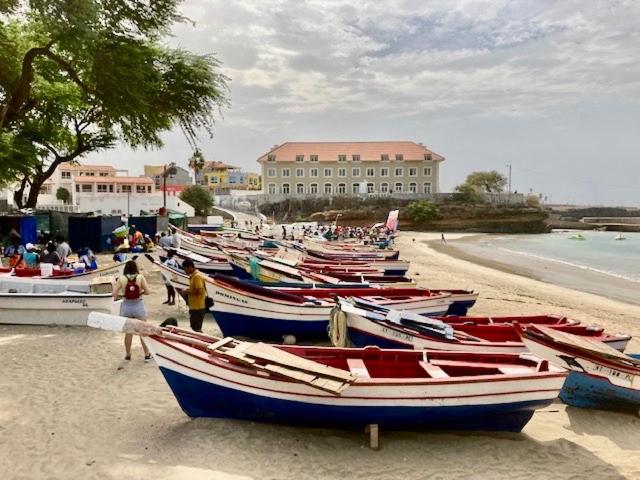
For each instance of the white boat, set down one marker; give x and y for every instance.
(51, 302)
(620, 236)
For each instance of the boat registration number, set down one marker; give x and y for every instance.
(396, 334)
(617, 375)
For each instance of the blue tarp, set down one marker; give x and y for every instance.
(29, 230)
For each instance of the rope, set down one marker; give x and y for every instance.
(338, 332)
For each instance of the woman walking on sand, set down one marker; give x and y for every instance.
(130, 287)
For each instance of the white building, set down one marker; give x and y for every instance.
(104, 190)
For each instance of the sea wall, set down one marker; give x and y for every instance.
(484, 218)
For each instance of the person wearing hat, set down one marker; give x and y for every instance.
(30, 257)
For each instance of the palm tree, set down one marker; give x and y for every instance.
(196, 163)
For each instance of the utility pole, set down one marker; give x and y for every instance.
(509, 166)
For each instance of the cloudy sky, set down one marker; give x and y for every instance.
(551, 87)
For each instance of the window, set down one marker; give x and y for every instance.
(355, 188)
(398, 187)
(399, 157)
(355, 158)
(286, 172)
(272, 189)
(328, 188)
(299, 188)
(111, 188)
(370, 187)
(384, 172)
(299, 158)
(313, 172)
(213, 179)
(384, 157)
(126, 189)
(66, 175)
(148, 188)
(141, 188)
(285, 188)
(313, 158)
(271, 172)
(313, 188)
(413, 187)
(300, 172)
(355, 172)
(271, 158)
(399, 171)
(328, 172)
(342, 158)
(371, 172)
(104, 174)
(427, 156)
(77, 187)
(102, 189)
(413, 172)
(342, 172)
(342, 188)
(426, 188)
(90, 174)
(87, 188)
(384, 187)
(427, 171)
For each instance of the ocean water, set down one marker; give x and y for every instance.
(600, 252)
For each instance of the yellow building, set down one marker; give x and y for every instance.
(221, 178)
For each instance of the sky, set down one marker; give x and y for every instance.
(549, 87)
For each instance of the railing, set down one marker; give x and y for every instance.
(250, 202)
(68, 208)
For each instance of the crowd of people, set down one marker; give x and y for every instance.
(58, 253)
(379, 235)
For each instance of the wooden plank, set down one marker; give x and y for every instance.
(433, 370)
(275, 355)
(585, 343)
(220, 343)
(358, 368)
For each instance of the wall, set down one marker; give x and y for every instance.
(133, 204)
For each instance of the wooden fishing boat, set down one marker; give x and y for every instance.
(370, 324)
(600, 376)
(243, 309)
(52, 302)
(208, 265)
(347, 388)
(113, 270)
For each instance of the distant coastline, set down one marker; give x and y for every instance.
(562, 274)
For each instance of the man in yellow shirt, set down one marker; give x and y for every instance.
(197, 294)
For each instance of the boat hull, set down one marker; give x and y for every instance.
(208, 387)
(587, 391)
(44, 309)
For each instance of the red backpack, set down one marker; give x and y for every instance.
(132, 289)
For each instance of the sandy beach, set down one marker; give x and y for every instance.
(71, 407)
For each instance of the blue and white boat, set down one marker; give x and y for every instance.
(244, 309)
(352, 388)
(600, 377)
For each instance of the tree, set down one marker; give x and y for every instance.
(196, 163)
(199, 198)
(78, 77)
(422, 211)
(488, 182)
(466, 193)
(63, 195)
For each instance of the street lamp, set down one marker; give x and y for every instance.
(167, 170)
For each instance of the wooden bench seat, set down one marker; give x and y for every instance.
(433, 371)
(358, 368)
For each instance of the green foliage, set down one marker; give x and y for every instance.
(80, 76)
(532, 201)
(488, 182)
(199, 198)
(469, 194)
(422, 211)
(63, 195)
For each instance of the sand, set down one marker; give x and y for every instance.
(72, 407)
